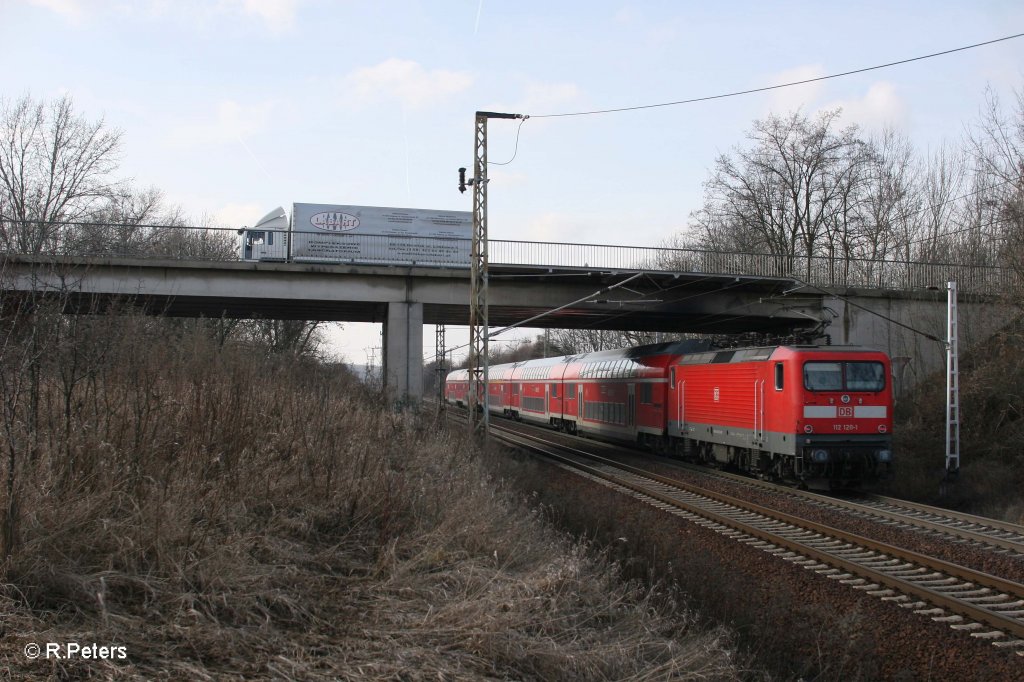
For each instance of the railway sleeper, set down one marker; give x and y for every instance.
(988, 634)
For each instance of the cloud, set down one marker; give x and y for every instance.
(880, 106)
(406, 81)
(505, 178)
(70, 10)
(537, 98)
(625, 15)
(276, 14)
(231, 122)
(549, 227)
(548, 98)
(237, 215)
(784, 100)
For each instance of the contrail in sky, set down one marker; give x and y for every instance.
(479, 9)
(405, 137)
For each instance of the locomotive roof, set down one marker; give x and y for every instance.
(757, 353)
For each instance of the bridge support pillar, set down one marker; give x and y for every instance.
(403, 351)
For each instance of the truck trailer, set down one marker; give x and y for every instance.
(368, 235)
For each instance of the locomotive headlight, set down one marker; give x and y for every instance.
(884, 455)
(819, 456)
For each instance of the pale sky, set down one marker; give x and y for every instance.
(233, 107)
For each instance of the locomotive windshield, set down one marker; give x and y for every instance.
(844, 376)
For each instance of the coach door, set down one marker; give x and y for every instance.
(631, 406)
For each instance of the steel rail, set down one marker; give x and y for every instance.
(981, 530)
(977, 529)
(1006, 593)
(1006, 526)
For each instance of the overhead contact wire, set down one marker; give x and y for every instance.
(768, 88)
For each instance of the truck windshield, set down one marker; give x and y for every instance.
(844, 376)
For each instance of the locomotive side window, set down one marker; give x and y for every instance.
(865, 376)
(778, 376)
(823, 376)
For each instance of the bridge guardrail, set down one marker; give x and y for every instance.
(119, 240)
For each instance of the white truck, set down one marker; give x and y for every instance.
(370, 235)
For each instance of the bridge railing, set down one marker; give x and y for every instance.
(119, 240)
(816, 270)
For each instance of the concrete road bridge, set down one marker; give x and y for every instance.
(577, 285)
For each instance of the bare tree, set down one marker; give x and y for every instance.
(888, 202)
(55, 166)
(781, 191)
(943, 180)
(573, 341)
(290, 337)
(997, 149)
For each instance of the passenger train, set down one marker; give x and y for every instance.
(816, 416)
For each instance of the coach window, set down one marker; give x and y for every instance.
(554, 390)
(778, 376)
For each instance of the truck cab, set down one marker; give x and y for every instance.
(267, 240)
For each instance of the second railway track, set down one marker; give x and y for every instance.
(981, 605)
(1003, 537)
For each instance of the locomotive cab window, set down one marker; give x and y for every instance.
(844, 376)
(823, 376)
(778, 376)
(865, 376)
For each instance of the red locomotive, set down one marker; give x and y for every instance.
(820, 416)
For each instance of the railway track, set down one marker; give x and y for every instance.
(990, 534)
(998, 536)
(981, 605)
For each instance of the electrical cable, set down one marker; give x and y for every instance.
(780, 85)
(847, 301)
(515, 150)
(491, 335)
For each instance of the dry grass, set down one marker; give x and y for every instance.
(228, 515)
(779, 631)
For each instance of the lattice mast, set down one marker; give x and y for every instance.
(478, 325)
(439, 350)
(952, 383)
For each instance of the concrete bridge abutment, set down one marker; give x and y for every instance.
(911, 327)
